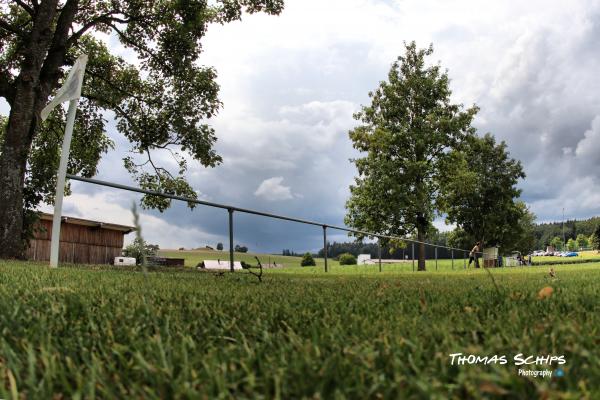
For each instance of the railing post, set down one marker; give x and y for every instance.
(230, 210)
(379, 252)
(325, 245)
(452, 253)
(413, 256)
(436, 268)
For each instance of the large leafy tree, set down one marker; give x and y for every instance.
(479, 194)
(161, 101)
(595, 239)
(404, 134)
(582, 241)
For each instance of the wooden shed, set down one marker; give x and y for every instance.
(82, 241)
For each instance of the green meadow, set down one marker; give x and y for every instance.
(105, 332)
(292, 264)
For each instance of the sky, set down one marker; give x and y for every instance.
(290, 84)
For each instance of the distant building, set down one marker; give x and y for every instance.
(82, 241)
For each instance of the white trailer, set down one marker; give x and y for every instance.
(217, 265)
(125, 261)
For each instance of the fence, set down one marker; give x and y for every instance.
(232, 209)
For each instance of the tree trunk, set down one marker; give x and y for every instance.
(13, 161)
(421, 227)
(30, 95)
(480, 255)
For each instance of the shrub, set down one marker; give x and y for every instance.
(139, 248)
(347, 259)
(219, 246)
(241, 249)
(308, 260)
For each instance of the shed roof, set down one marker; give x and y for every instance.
(87, 222)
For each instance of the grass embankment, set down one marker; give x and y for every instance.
(116, 333)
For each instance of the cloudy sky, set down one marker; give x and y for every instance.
(290, 84)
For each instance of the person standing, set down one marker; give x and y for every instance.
(474, 254)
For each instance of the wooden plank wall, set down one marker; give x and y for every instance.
(78, 244)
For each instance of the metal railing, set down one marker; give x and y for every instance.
(231, 209)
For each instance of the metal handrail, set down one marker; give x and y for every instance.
(232, 209)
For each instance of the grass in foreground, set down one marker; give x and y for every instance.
(109, 333)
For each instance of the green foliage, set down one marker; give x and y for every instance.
(582, 241)
(544, 232)
(396, 245)
(307, 260)
(557, 243)
(160, 104)
(523, 235)
(595, 239)
(479, 195)
(241, 249)
(571, 245)
(405, 133)
(219, 246)
(347, 259)
(102, 334)
(139, 248)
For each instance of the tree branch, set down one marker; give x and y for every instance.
(50, 71)
(131, 42)
(11, 28)
(102, 19)
(121, 90)
(26, 7)
(157, 169)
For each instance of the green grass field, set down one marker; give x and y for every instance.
(117, 333)
(193, 257)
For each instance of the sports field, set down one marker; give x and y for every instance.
(104, 332)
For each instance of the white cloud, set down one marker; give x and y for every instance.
(272, 189)
(588, 148)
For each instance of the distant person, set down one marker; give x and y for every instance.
(521, 260)
(474, 254)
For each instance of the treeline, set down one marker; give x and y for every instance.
(544, 233)
(288, 252)
(397, 251)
